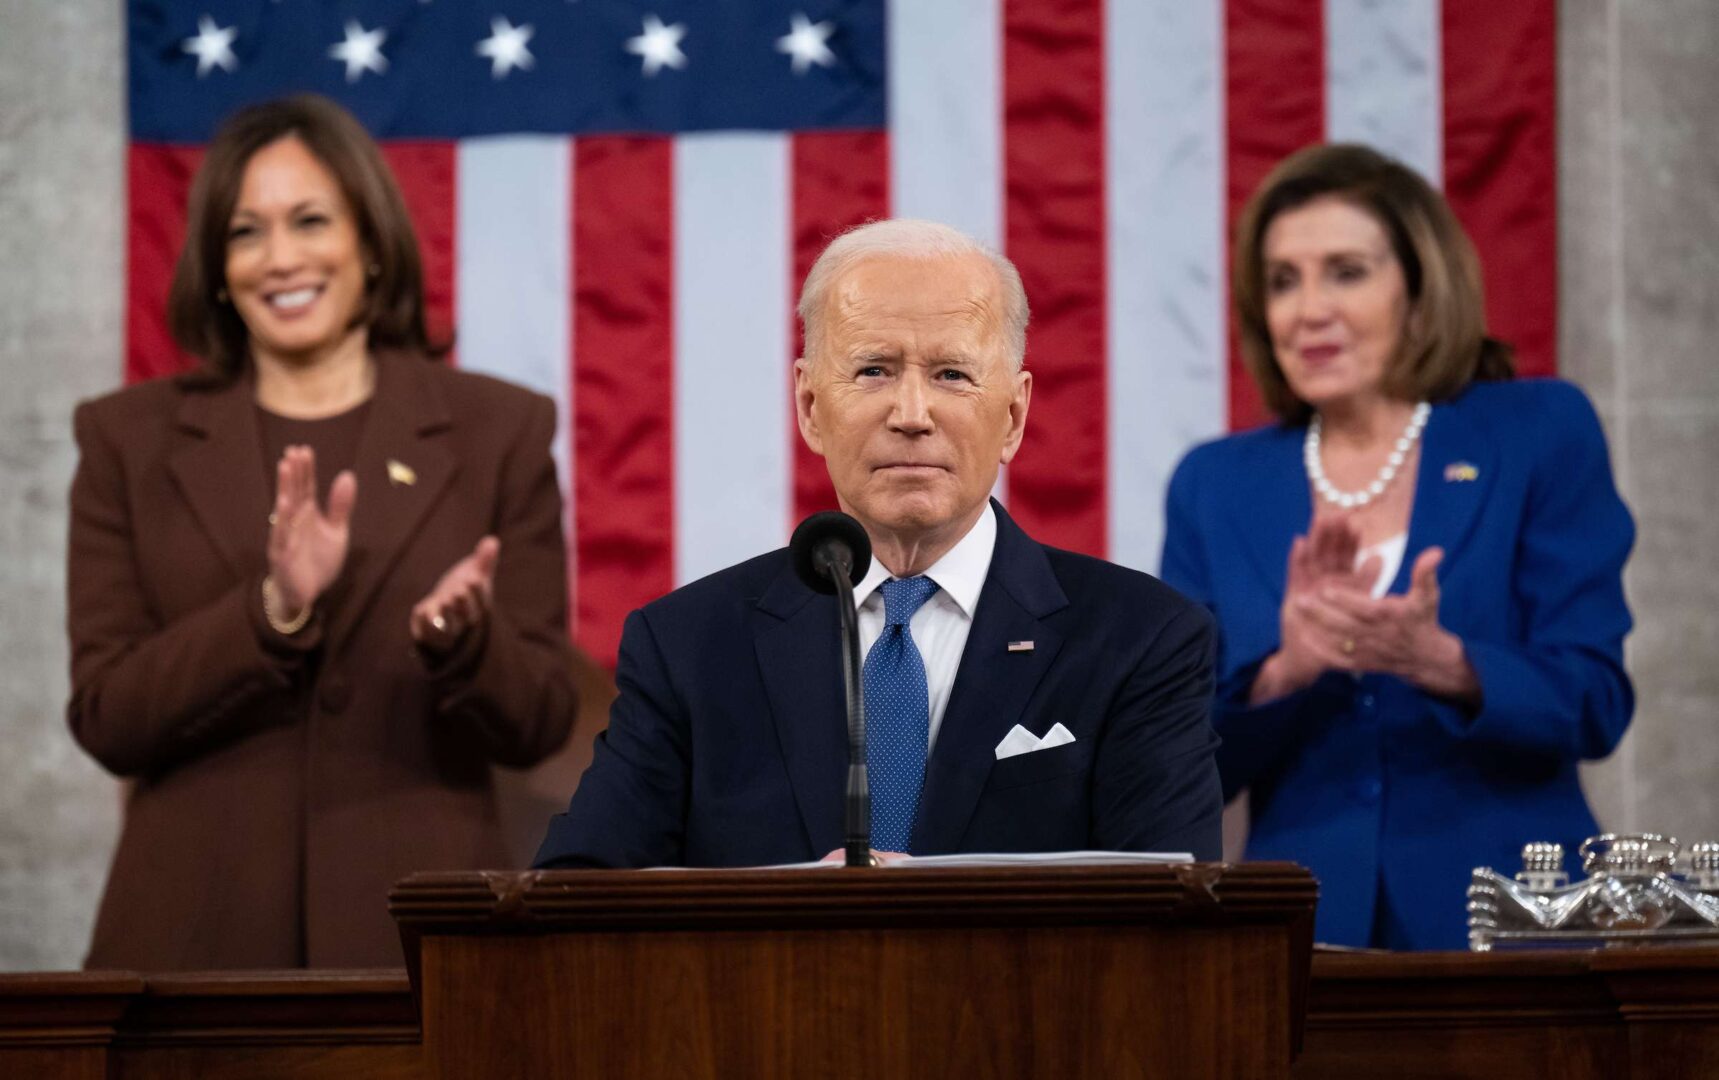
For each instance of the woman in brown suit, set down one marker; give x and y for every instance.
(307, 695)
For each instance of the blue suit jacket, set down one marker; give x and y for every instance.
(1377, 787)
(728, 743)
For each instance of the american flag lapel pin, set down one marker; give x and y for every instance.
(1020, 646)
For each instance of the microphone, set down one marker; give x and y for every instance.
(831, 554)
(826, 541)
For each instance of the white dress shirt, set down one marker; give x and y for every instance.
(941, 624)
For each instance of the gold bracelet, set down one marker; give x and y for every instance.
(271, 597)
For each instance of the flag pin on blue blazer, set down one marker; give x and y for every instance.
(1460, 472)
(1020, 646)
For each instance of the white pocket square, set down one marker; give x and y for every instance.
(1021, 741)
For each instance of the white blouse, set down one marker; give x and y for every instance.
(1390, 552)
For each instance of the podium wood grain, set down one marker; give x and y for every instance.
(1606, 1014)
(1642, 1013)
(1189, 971)
(242, 1025)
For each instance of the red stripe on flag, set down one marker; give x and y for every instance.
(840, 179)
(158, 180)
(1275, 105)
(1053, 160)
(427, 173)
(1500, 162)
(623, 367)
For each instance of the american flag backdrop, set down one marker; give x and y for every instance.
(617, 200)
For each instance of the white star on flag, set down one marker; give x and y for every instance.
(805, 42)
(361, 51)
(505, 47)
(212, 46)
(659, 45)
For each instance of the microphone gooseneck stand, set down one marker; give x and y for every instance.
(831, 554)
(833, 560)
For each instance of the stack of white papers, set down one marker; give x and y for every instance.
(1031, 858)
(1050, 858)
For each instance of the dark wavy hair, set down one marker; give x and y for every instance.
(1445, 346)
(199, 315)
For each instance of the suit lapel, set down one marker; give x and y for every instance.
(992, 685)
(404, 462)
(1272, 505)
(219, 469)
(799, 657)
(1457, 470)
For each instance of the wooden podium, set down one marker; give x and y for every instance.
(1179, 971)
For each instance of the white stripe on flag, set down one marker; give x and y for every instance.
(732, 349)
(1383, 78)
(1164, 192)
(946, 115)
(513, 240)
(946, 147)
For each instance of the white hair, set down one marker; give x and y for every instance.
(908, 238)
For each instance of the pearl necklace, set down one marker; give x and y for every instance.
(1348, 500)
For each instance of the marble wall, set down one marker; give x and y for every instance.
(1639, 283)
(62, 247)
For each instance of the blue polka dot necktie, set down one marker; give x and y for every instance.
(897, 716)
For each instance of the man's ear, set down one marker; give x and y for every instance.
(804, 396)
(1019, 401)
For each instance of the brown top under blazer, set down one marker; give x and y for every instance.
(283, 784)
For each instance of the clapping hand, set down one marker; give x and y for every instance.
(460, 601)
(307, 547)
(1397, 635)
(1320, 563)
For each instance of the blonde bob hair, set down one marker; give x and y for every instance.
(1444, 346)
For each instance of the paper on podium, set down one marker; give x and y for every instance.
(1048, 858)
(1026, 858)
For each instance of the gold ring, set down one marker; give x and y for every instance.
(1348, 646)
(440, 624)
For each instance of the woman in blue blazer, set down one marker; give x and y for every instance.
(1417, 571)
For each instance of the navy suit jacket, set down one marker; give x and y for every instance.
(1377, 787)
(728, 743)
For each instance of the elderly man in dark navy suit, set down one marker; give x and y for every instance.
(1018, 698)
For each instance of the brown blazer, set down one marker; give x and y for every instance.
(282, 785)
